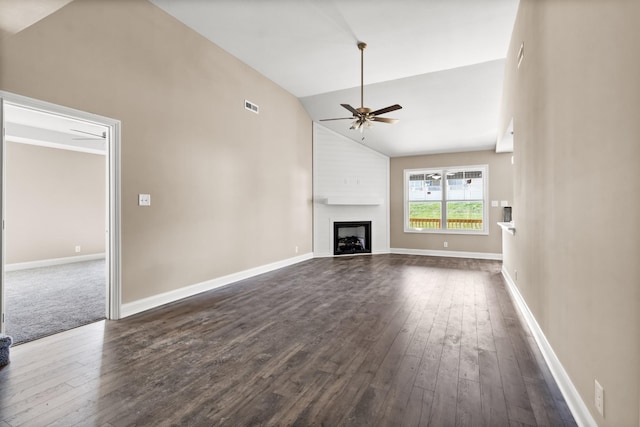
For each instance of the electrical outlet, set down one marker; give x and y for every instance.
(446, 244)
(144, 199)
(78, 249)
(599, 398)
(296, 249)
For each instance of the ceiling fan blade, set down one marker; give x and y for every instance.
(363, 116)
(355, 112)
(384, 120)
(341, 118)
(386, 110)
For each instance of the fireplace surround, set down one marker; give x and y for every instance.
(351, 237)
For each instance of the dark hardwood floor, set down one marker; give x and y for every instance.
(386, 340)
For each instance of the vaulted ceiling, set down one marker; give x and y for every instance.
(442, 60)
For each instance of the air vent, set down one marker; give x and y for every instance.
(248, 105)
(521, 54)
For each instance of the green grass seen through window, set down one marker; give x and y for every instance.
(455, 210)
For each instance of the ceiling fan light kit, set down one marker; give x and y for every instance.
(363, 117)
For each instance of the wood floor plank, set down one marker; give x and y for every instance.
(350, 341)
(414, 409)
(397, 398)
(560, 405)
(518, 402)
(445, 400)
(469, 406)
(494, 407)
(311, 392)
(366, 410)
(338, 409)
(391, 363)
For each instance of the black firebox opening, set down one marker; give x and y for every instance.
(352, 237)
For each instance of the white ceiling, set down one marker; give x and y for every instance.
(31, 126)
(442, 60)
(16, 15)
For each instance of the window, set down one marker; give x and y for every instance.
(449, 200)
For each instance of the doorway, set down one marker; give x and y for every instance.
(60, 218)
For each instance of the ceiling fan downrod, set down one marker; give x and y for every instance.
(362, 46)
(364, 117)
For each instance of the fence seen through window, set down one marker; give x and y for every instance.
(446, 199)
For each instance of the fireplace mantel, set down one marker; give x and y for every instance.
(353, 201)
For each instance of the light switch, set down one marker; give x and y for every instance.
(144, 199)
(504, 203)
(494, 203)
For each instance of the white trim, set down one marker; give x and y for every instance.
(444, 200)
(52, 261)
(2, 213)
(48, 144)
(452, 254)
(352, 201)
(448, 231)
(574, 400)
(135, 307)
(114, 259)
(509, 227)
(114, 233)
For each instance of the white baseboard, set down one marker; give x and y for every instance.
(574, 400)
(144, 304)
(453, 254)
(53, 261)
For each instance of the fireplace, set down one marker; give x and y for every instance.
(352, 237)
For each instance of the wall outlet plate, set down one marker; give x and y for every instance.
(599, 401)
(144, 199)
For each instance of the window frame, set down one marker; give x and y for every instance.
(443, 171)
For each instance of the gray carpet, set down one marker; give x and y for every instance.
(47, 300)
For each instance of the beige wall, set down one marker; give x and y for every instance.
(500, 188)
(55, 201)
(230, 190)
(576, 107)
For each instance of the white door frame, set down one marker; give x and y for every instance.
(113, 255)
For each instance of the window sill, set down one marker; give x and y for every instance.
(432, 231)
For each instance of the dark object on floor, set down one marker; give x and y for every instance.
(5, 343)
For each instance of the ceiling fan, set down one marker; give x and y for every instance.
(94, 136)
(364, 116)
